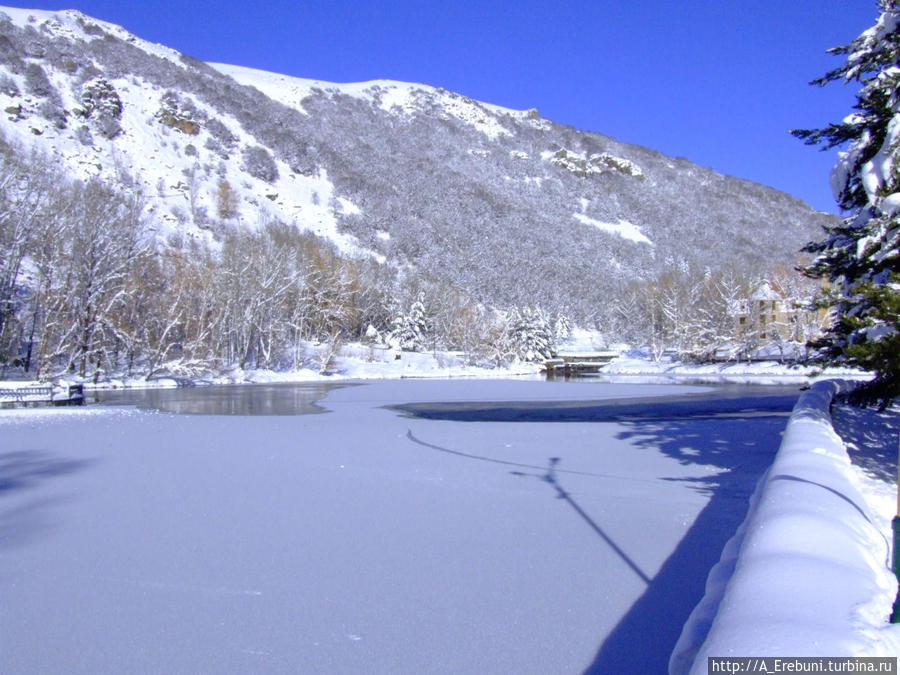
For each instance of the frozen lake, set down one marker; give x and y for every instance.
(411, 526)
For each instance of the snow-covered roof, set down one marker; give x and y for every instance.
(765, 291)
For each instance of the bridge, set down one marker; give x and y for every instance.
(577, 363)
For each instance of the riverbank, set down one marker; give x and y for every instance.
(358, 361)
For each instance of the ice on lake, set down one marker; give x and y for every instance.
(388, 535)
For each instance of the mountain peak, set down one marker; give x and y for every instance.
(389, 95)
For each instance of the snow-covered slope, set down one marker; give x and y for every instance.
(177, 173)
(472, 195)
(389, 95)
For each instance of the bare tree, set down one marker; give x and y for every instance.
(104, 238)
(29, 197)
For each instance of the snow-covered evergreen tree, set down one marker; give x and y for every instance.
(562, 328)
(410, 329)
(860, 256)
(530, 334)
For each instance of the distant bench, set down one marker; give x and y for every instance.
(59, 394)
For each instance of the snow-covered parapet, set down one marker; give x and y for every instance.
(807, 572)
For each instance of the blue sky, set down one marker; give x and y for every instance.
(719, 82)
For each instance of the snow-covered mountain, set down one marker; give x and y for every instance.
(511, 208)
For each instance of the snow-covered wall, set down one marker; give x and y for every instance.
(807, 573)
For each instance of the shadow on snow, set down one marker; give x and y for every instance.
(738, 435)
(871, 438)
(24, 516)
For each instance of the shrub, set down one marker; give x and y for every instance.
(84, 136)
(179, 113)
(260, 164)
(37, 83)
(8, 85)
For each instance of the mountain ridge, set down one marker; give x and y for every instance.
(504, 205)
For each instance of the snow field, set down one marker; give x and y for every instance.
(623, 228)
(389, 95)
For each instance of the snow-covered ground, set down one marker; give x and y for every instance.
(758, 372)
(357, 361)
(372, 539)
(623, 228)
(368, 361)
(403, 97)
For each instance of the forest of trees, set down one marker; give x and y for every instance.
(86, 289)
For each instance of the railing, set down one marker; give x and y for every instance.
(58, 394)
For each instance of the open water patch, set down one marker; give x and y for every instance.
(230, 399)
(723, 403)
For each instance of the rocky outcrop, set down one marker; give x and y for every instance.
(596, 164)
(100, 103)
